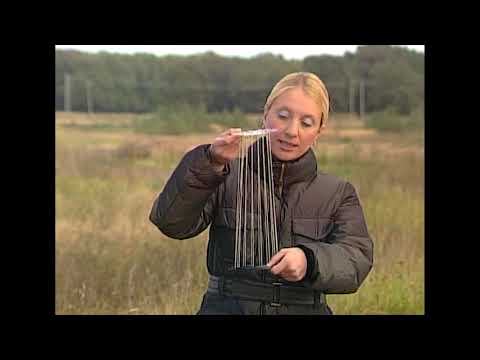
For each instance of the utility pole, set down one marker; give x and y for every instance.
(362, 99)
(352, 99)
(88, 86)
(67, 88)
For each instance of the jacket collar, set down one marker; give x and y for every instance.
(297, 170)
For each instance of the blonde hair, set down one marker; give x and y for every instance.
(310, 83)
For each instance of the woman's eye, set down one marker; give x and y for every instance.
(283, 115)
(307, 122)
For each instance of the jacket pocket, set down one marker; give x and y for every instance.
(309, 230)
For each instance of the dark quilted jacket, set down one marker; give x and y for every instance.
(318, 212)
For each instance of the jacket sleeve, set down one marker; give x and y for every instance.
(187, 203)
(341, 264)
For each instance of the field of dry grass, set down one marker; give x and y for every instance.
(111, 260)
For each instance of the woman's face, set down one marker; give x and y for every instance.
(297, 118)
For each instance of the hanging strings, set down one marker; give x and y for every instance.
(256, 239)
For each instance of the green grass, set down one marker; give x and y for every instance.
(176, 120)
(98, 127)
(111, 260)
(390, 121)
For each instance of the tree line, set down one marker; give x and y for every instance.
(375, 77)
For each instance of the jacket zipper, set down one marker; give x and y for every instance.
(281, 182)
(281, 195)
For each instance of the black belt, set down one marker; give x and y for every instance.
(275, 293)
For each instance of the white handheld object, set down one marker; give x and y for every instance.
(257, 132)
(256, 238)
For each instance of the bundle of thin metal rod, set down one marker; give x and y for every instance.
(256, 239)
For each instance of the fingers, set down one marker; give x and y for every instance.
(279, 267)
(285, 270)
(288, 265)
(233, 135)
(231, 132)
(229, 137)
(220, 141)
(277, 257)
(226, 141)
(226, 146)
(278, 262)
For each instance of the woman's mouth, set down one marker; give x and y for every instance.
(285, 145)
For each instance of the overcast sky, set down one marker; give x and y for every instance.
(288, 51)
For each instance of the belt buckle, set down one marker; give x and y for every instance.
(276, 294)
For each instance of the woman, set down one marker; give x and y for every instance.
(323, 239)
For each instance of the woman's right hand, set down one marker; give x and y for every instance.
(226, 146)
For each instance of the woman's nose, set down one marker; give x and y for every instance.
(292, 128)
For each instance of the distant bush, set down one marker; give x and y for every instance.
(107, 127)
(345, 140)
(391, 121)
(185, 118)
(133, 150)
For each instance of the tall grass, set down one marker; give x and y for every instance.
(391, 121)
(183, 119)
(390, 186)
(111, 260)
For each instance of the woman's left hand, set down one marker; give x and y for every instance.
(289, 263)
